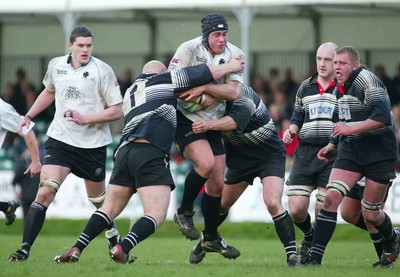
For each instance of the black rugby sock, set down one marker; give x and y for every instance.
(210, 207)
(96, 224)
(4, 206)
(33, 224)
(306, 228)
(324, 228)
(285, 229)
(361, 223)
(386, 229)
(222, 217)
(193, 185)
(141, 230)
(377, 240)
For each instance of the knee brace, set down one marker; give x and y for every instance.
(50, 183)
(339, 186)
(371, 207)
(98, 199)
(299, 191)
(320, 196)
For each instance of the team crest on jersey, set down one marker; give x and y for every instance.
(201, 59)
(85, 74)
(72, 93)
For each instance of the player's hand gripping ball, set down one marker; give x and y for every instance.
(193, 107)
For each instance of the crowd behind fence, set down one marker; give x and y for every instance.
(275, 75)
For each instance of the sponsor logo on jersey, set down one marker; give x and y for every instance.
(62, 72)
(201, 59)
(344, 112)
(321, 110)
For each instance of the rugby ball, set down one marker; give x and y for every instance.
(191, 107)
(195, 106)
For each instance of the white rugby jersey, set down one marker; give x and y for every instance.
(9, 119)
(88, 90)
(193, 52)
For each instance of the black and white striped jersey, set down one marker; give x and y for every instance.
(315, 112)
(256, 138)
(365, 97)
(150, 104)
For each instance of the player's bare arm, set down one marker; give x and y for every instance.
(364, 126)
(326, 152)
(35, 166)
(42, 102)
(225, 123)
(217, 71)
(290, 133)
(111, 113)
(229, 91)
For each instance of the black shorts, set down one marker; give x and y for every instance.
(139, 165)
(307, 169)
(382, 172)
(185, 136)
(357, 192)
(273, 167)
(86, 163)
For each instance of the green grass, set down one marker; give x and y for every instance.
(166, 254)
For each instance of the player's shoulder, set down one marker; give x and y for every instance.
(234, 49)
(100, 63)
(6, 108)
(101, 66)
(191, 43)
(58, 60)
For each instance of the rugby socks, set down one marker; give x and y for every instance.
(377, 240)
(361, 223)
(33, 224)
(96, 224)
(210, 207)
(140, 231)
(386, 229)
(306, 228)
(285, 230)
(324, 228)
(222, 217)
(4, 206)
(193, 185)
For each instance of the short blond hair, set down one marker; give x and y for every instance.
(351, 51)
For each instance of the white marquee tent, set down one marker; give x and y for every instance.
(69, 12)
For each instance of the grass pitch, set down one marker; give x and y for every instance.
(350, 253)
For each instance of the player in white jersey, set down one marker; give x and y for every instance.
(206, 150)
(87, 97)
(9, 119)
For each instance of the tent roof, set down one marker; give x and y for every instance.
(15, 11)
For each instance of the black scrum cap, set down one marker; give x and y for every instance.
(211, 23)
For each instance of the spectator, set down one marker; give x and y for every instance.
(381, 73)
(126, 81)
(290, 87)
(261, 87)
(396, 87)
(18, 100)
